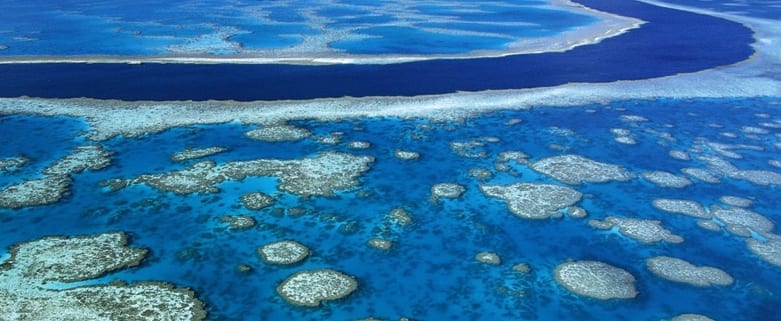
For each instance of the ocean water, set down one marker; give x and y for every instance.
(253, 28)
(770, 9)
(430, 273)
(672, 42)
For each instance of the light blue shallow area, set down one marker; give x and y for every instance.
(241, 27)
(409, 40)
(431, 273)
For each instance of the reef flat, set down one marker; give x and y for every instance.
(322, 175)
(224, 223)
(533, 201)
(651, 162)
(26, 276)
(596, 279)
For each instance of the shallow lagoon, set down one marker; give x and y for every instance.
(432, 269)
(430, 272)
(178, 28)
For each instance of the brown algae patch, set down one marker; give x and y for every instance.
(278, 133)
(447, 190)
(576, 169)
(488, 258)
(645, 231)
(25, 297)
(257, 201)
(534, 201)
(666, 179)
(596, 279)
(194, 153)
(309, 288)
(685, 207)
(322, 175)
(678, 270)
(283, 252)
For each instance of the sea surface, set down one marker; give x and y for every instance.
(430, 273)
(671, 42)
(179, 27)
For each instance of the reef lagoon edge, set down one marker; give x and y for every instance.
(608, 25)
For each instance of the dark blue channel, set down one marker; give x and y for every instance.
(671, 42)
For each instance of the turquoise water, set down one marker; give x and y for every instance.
(400, 40)
(431, 273)
(240, 27)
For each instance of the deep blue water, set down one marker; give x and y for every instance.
(671, 42)
(431, 273)
(769, 9)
